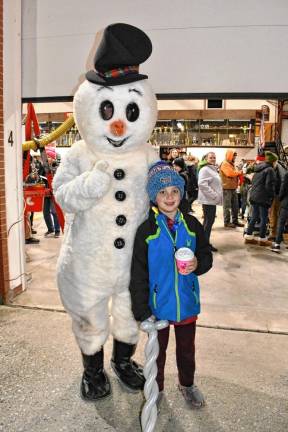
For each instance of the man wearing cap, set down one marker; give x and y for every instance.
(230, 178)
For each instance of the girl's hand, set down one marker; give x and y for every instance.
(191, 267)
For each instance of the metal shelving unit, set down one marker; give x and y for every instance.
(197, 133)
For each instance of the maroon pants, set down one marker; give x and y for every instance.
(185, 353)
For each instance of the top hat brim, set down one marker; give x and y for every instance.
(94, 78)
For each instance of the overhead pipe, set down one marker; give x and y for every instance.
(47, 139)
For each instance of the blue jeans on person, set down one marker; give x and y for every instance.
(50, 216)
(258, 212)
(282, 218)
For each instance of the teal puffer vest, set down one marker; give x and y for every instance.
(172, 296)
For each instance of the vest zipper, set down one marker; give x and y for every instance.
(176, 291)
(178, 312)
(155, 297)
(195, 295)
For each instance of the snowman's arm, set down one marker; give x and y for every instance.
(76, 191)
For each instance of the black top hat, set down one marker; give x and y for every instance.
(121, 50)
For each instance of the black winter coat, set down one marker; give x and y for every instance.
(283, 194)
(192, 186)
(263, 185)
(280, 172)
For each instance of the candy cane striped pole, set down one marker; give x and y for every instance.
(151, 391)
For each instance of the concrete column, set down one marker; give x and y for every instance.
(13, 147)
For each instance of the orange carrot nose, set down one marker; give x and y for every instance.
(118, 128)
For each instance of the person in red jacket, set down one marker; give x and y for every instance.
(230, 177)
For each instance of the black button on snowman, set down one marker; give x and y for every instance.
(121, 220)
(119, 243)
(120, 196)
(119, 174)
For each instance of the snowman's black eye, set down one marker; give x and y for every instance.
(106, 110)
(132, 112)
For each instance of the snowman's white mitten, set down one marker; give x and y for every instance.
(98, 181)
(101, 165)
(79, 192)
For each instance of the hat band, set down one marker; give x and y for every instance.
(115, 73)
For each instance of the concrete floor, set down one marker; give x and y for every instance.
(242, 347)
(246, 289)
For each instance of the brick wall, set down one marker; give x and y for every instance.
(4, 268)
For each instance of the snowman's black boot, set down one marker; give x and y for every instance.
(128, 371)
(95, 383)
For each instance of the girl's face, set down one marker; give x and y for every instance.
(168, 200)
(211, 158)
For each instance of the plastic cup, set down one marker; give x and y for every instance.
(183, 257)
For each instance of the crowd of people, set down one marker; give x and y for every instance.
(254, 194)
(38, 175)
(268, 197)
(254, 191)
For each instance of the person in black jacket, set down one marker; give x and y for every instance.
(159, 290)
(261, 196)
(191, 184)
(283, 215)
(275, 207)
(179, 166)
(192, 170)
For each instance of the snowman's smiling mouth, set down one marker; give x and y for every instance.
(116, 143)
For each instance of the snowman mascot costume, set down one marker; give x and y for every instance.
(101, 186)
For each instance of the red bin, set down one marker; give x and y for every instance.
(34, 197)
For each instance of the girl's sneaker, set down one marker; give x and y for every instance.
(192, 396)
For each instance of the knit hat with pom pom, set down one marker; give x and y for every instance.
(160, 176)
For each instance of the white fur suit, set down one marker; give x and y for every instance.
(101, 185)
